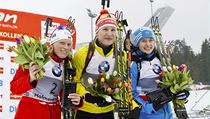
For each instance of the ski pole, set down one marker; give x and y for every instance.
(128, 50)
(68, 85)
(123, 105)
(181, 112)
(48, 22)
(164, 57)
(103, 2)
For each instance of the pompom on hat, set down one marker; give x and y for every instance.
(105, 19)
(140, 34)
(61, 32)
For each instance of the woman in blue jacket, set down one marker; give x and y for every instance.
(144, 76)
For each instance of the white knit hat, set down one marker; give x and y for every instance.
(61, 32)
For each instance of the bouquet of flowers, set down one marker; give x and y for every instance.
(31, 50)
(177, 78)
(107, 86)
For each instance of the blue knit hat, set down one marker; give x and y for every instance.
(141, 33)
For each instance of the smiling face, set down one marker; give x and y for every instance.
(107, 35)
(147, 45)
(62, 47)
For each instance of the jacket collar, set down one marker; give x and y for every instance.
(56, 58)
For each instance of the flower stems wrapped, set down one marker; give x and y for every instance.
(31, 50)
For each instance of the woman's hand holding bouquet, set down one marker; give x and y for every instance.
(31, 50)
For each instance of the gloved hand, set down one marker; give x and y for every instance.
(97, 100)
(159, 97)
(72, 71)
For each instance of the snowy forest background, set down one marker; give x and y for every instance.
(198, 63)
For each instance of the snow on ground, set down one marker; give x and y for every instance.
(198, 106)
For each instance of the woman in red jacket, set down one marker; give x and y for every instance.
(40, 97)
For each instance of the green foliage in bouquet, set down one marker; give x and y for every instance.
(107, 86)
(31, 50)
(177, 78)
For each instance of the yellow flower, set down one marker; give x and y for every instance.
(120, 84)
(32, 40)
(174, 67)
(102, 79)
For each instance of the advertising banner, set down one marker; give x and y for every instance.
(13, 24)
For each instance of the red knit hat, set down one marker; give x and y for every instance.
(105, 19)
